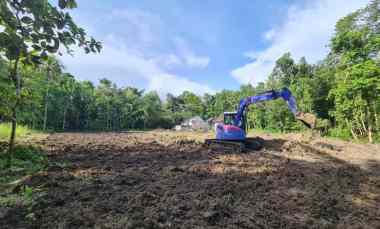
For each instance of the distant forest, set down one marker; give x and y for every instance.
(343, 90)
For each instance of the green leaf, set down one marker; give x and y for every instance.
(55, 47)
(62, 4)
(44, 55)
(4, 39)
(36, 47)
(36, 60)
(69, 4)
(27, 20)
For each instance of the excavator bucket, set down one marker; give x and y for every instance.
(308, 119)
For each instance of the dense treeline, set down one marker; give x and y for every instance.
(342, 90)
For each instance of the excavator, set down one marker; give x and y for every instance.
(232, 132)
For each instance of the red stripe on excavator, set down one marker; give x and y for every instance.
(231, 128)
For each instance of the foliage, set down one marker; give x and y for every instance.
(356, 91)
(342, 133)
(31, 31)
(342, 90)
(27, 160)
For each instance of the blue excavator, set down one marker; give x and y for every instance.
(232, 132)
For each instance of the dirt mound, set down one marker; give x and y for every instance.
(166, 180)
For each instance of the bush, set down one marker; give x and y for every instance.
(340, 133)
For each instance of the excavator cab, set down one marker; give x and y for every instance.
(233, 137)
(228, 130)
(228, 119)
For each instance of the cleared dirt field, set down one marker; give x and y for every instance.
(165, 179)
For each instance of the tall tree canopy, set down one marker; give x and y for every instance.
(30, 32)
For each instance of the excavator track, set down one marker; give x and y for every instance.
(235, 146)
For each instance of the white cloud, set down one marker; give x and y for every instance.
(141, 27)
(188, 56)
(133, 54)
(197, 61)
(305, 32)
(165, 82)
(270, 34)
(168, 61)
(126, 67)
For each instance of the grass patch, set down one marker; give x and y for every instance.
(339, 133)
(264, 131)
(21, 131)
(27, 159)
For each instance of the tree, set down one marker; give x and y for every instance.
(132, 112)
(84, 105)
(104, 96)
(5, 90)
(176, 106)
(284, 70)
(68, 85)
(209, 106)
(33, 30)
(52, 68)
(192, 103)
(356, 46)
(152, 110)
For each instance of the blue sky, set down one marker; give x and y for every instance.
(201, 45)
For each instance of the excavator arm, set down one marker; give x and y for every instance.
(266, 96)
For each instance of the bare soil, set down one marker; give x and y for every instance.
(164, 179)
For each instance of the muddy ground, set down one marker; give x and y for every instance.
(166, 179)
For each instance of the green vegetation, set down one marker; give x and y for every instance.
(25, 197)
(343, 90)
(31, 31)
(21, 131)
(26, 160)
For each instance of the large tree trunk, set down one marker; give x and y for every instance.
(17, 81)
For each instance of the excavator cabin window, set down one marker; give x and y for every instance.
(229, 118)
